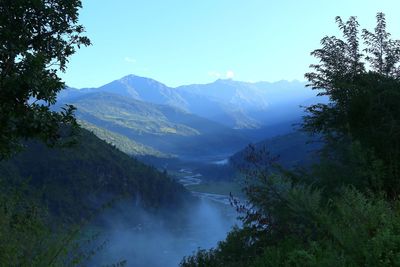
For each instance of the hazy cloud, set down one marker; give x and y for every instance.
(230, 74)
(134, 235)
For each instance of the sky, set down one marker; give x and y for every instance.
(181, 42)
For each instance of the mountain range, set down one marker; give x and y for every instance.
(190, 120)
(162, 128)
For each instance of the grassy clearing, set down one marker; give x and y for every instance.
(221, 188)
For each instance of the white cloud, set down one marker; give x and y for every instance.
(130, 60)
(230, 74)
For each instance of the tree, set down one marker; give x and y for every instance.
(37, 37)
(363, 86)
(347, 212)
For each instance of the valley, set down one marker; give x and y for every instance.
(153, 168)
(197, 135)
(137, 234)
(174, 137)
(192, 121)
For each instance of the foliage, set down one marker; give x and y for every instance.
(350, 230)
(23, 233)
(364, 89)
(217, 187)
(167, 129)
(30, 236)
(48, 195)
(130, 114)
(37, 38)
(293, 225)
(27, 237)
(123, 143)
(76, 181)
(344, 211)
(304, 155)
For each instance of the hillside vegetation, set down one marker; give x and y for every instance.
(162, 128)
(297, 149)
(235, 104)
(50, 192)
(88, 174)
(123, 143)
(344, 210)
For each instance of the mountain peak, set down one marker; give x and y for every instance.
(134, 78)
(224, 80)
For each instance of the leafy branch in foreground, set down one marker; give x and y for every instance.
(37, 38)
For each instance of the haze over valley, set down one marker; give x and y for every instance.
(199, 133)
(192, 121)
(190, 132)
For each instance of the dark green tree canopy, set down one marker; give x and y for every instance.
(362, 81)
(36, 37)
(344, 210)
(343, 59)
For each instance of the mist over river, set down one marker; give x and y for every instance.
(146, 240)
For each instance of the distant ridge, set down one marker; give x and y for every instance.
(153, 129)
(144, 117)
(236, 104)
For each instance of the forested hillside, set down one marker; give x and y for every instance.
(77, 180)
(234, 104)
(70, 185)
(296, 149)
(319, 186)
(162, 128)
(122, 142)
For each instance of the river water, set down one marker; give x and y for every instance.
(151, 244)
(195, 179)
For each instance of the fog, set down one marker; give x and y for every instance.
(148, 240)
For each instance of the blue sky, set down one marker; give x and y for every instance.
(197, 41)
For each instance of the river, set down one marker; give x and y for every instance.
(151, 244)
(195, 179)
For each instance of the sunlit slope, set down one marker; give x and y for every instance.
(164, 128)
(123, 143)
(235, 104)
